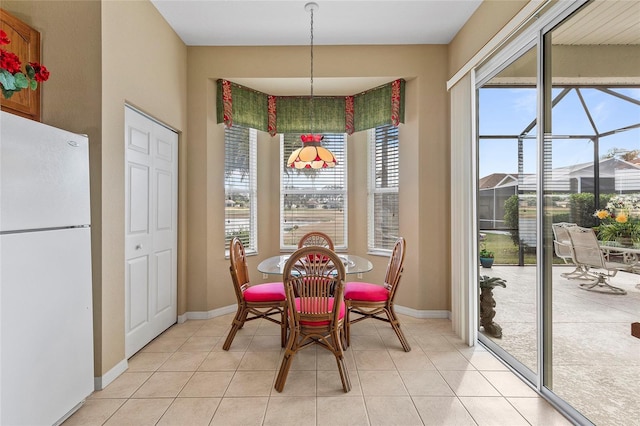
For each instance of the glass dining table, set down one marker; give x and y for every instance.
(353, 264)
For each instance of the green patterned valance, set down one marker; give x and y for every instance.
(246, 107)
(290, 114)
(375, 107)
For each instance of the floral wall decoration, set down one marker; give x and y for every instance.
(290, 114)
(12, 78)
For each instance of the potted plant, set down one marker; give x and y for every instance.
(488, 304)
(616, 222)
(486, 258)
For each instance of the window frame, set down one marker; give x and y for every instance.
(252, 246)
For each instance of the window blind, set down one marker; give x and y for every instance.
(240, 212)
(313, 199)
(384, 183)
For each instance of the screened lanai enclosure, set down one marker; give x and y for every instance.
(594, 156)
(557, 139)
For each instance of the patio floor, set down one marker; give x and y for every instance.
(596, 360)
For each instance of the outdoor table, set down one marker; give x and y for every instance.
(630, 256)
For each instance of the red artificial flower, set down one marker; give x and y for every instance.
(41, 72)
(13, 78)
(3, 38)
(9, 61)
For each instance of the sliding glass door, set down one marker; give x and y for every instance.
(507, 210)
(593, 106)
(558, 138)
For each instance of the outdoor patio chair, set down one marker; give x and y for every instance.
(316, 315)
(259, 301)
(562, 248)
(587, 252)
(373, 300)
(316, 238)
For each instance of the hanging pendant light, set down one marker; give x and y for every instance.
(312, 155)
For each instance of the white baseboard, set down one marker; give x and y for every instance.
(69, 413)
(100, 383)
(422, 314)
(231, 309)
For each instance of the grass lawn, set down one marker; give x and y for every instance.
(506, 253)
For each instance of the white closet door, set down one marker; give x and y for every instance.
(150, 229)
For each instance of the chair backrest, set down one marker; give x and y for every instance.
(239, 269)
(395, 267)
(561, 239)
(315, 277)
(316, 238)
(586, 250)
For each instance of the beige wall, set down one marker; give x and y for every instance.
(144, 65)
(102, 55)
(424, 198)
(486, 21)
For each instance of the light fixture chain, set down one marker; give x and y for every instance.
(313, 155)
(311, 118)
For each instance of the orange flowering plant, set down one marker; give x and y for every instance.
(12, 79)
(616, 219)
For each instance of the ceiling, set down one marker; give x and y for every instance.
(336, 22)
(602, 22)
(360, 22)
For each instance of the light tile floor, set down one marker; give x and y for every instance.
(184, 378)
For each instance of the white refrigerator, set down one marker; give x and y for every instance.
(46, 320)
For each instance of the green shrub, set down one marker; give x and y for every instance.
(511, 218)
(561, 217)
(582, 207)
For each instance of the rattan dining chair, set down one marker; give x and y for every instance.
(316, 315)
(373, 300)
(254, 301)
(316, 238)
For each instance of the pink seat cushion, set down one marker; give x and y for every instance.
(367, 292)
(267, 292)
(321, 323)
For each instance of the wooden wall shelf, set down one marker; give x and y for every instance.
(25, 42)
